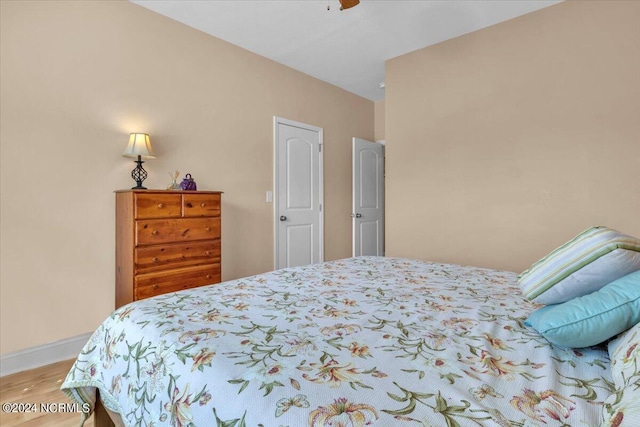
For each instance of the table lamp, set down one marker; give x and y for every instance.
(139, 146)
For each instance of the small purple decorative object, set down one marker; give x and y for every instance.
(188, 184)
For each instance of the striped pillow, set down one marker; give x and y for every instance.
(586, 263)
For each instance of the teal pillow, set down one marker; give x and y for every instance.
(591, 319)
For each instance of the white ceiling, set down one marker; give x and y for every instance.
(345, 48)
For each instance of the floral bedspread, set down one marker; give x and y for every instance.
(355, 342)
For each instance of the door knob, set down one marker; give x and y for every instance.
(356, 215)
(283, 218)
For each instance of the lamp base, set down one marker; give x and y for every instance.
(139, 174)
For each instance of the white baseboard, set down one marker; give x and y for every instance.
(42, 355)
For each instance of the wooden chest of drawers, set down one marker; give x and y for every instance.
(166, 241)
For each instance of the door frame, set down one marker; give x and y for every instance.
(276, 193)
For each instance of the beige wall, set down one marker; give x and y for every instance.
(506, 142)
(77, 78)
(379, 120)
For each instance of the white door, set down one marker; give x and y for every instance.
(368, 198)
(298, 194)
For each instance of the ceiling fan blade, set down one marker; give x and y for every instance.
(346, 4)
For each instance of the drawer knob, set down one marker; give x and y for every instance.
(155, 286)
(203, 204)
(207, 229)
(155, 259)
(154, 232)
(208, 276)
(207, 253)
(160, 205)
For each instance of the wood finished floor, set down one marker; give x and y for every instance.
(41, 385)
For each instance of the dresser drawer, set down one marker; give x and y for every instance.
(155, 231)
(201, 204)
(161, 257)
(149, 285)
(158, 205)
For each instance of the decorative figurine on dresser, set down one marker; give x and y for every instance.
(166, 241)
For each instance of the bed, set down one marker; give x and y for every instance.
(361, 341)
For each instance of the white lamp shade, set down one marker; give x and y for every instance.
(139, 145)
